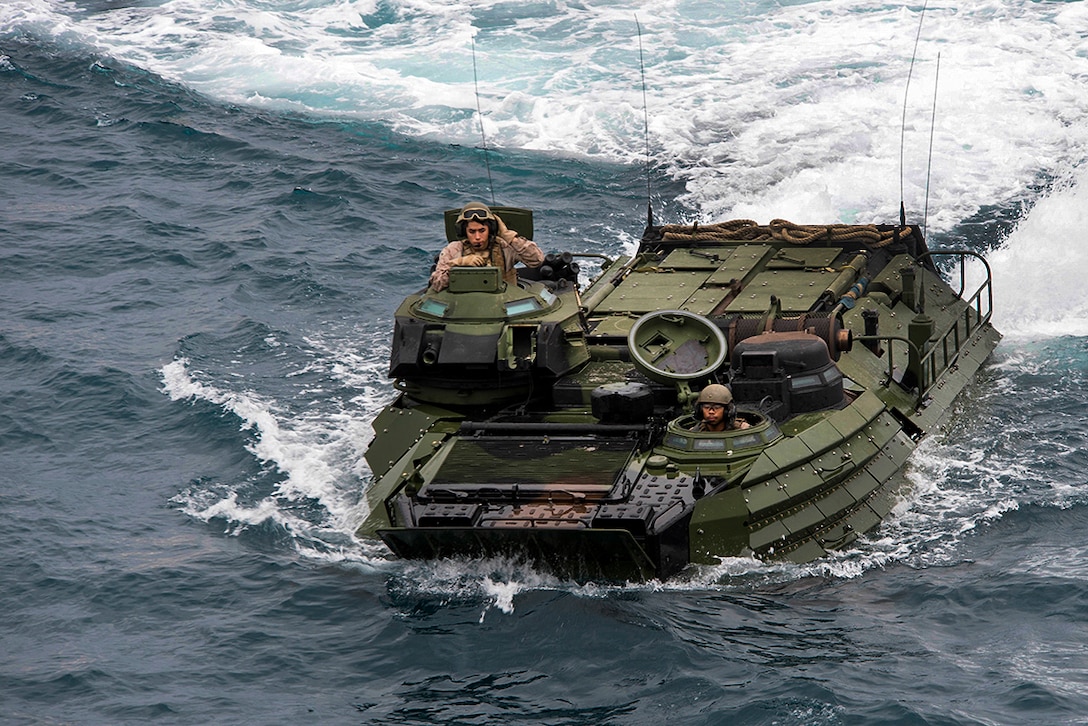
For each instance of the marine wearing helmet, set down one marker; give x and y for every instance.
(485, 240)
(716, 411)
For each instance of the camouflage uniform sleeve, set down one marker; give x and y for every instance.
(440, 278)
(527, 251)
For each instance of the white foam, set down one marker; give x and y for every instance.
(318, 453)
(760, 108)
(1039, 285)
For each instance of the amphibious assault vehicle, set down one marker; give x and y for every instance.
(555, 424)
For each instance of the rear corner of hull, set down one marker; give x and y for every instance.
(577, 554)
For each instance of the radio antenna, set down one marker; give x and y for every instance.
(646, 128)
(480, 113)
(929, 161)
(903, 125)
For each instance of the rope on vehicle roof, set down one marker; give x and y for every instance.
(780, 229)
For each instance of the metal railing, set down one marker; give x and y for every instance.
(928, 363)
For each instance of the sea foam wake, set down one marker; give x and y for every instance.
(760, 109)
(1039, 285)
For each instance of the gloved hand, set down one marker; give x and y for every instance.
(504, 232)
(470, 260)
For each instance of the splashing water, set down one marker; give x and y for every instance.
(1039, 285)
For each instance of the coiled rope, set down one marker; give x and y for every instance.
(779, 229)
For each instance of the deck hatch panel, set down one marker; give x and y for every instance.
(535, 465)
(645, 292)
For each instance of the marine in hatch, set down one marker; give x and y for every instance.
(716, 411)
(484, 240)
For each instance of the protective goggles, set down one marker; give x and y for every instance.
(468, 214)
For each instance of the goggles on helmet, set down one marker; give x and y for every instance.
(475, 213)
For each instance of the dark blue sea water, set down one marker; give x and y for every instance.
(209, 211)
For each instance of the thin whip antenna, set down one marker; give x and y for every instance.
(929, 161)
(480, 113)
(646, 128)
(903, 125)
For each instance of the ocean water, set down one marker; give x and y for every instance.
(210, 211)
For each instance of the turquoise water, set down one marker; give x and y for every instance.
(212, 210)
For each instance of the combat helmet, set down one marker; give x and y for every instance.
(721, 395)
(479, 212)
(715, 393)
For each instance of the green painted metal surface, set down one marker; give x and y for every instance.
(556, 424)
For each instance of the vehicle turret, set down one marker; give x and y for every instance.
(481, 342)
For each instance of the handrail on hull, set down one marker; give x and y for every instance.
(950, 344)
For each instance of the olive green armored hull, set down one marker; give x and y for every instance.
(555, 424)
